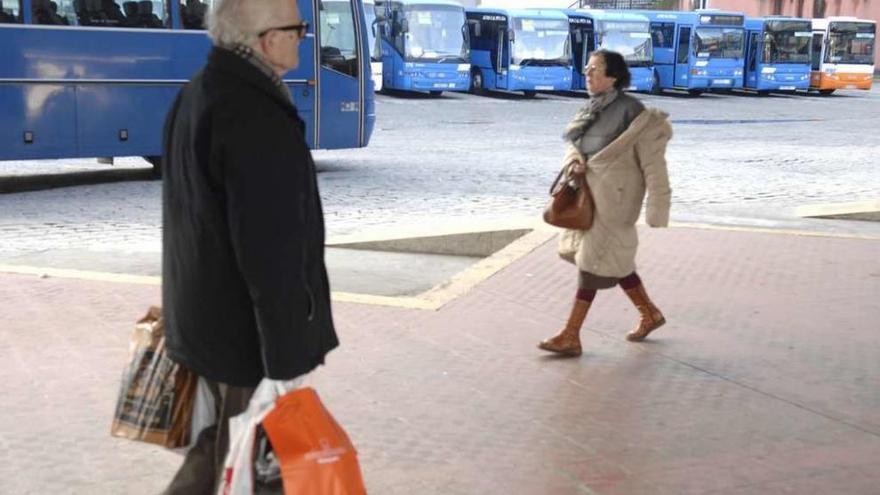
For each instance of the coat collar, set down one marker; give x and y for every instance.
(235, 66)
(650, 117)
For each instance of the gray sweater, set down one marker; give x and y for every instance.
(612, 121)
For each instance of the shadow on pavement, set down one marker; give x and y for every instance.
(24, 183)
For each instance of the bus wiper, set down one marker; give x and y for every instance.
(526, 61)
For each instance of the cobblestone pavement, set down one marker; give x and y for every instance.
(734, 159)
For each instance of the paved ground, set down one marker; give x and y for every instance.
(765, 379)
(735, 159)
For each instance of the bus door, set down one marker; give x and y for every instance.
(341, 77)
(816, 61)
(751, 72)
(503, 61)
(583, 42)
(682, 56)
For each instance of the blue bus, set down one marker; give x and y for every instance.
(424, 46)
(95, 78)
(582, 38)
(520, 50)
(778, 51)
(697, 51)
(630, 35)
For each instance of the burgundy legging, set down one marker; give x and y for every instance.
(628, 282)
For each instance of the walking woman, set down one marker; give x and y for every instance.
(621, 147)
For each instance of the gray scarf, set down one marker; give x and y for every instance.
(588, 114)
(248, 54)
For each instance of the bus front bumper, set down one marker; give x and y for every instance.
(823, 80)
(440, 81)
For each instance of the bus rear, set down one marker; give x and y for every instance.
(777, 54)
(843, 54)
(425, 46)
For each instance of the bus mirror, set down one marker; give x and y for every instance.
(511, 35)
(578, 37)
(404, 25)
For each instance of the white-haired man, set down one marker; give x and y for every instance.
(245, 290)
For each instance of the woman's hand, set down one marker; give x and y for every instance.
(578, 166)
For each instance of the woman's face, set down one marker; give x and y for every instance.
(597, 81)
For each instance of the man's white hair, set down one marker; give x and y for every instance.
(234, 22)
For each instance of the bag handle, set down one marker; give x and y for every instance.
(579, 179)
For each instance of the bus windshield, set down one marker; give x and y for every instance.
(630, 39)
(851, 43)
(435, 33)
(787, 42)
(719, 42)
(540, 41)
(370, 16)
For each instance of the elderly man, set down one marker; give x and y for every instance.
(245, 290)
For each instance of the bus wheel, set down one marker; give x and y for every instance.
(825, 92)
(695, 92)
(435, 93)
(477, 86)
(156, 161)
(530, 94)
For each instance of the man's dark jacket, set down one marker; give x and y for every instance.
(244, 292)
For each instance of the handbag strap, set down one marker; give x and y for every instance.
(579, 179)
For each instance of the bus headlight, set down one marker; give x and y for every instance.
(699, 72)
(737, 73)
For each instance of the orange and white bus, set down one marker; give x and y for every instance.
(843, 54)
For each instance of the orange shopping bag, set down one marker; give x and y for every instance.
(315, 453)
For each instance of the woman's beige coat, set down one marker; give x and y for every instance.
(619, 175)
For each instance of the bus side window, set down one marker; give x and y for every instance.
(662, 34)
(817, 51)
(10, 12)
(338, 49)
(131, 14)
(46, 12)
(192, 14)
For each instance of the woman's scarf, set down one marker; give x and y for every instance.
(588, 114)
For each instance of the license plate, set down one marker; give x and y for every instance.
(443, 85)
(786, 88)
(722, 81)
(851, 86)
(544, 88)
(631, 88)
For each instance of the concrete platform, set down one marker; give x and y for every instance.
(764, 381)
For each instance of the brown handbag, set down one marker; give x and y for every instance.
(570, 206)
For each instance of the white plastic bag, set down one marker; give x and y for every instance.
(238, 467)
(204, 415)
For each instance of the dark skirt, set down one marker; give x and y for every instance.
(587, 280)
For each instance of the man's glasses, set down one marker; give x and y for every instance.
(301, 29)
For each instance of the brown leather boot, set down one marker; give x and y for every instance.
(651, 317)
(568, 342)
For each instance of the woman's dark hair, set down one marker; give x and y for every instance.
(615, 66)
